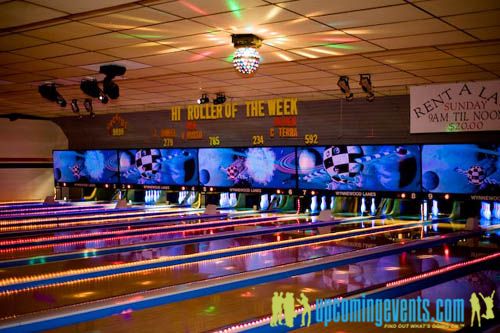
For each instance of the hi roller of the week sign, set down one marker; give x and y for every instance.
(455, 107)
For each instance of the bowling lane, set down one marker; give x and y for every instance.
(225, 308)
(35, 299)
(89, 260)
(148, 231)
(139, 233)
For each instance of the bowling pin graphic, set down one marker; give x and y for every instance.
(221, 200)
(323, 203)
(363, 206)
(373, 209)
(264, 201)
(314, 204)
(487, 211)
(434, 209)
(233, 200)
(332, 203)
(496, 210)
(273, 201)
(425, 210)
(483, 209)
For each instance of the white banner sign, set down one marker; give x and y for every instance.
(455, 107)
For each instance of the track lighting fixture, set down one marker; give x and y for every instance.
(203, 99)
(110, 88)
(49, 91)
(90, 87)
(366, 84)
(219, 99)
(343, 84)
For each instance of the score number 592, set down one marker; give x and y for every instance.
(311, 139)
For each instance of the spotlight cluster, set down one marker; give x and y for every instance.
(364, 81)
(220, 98)
(90, 87)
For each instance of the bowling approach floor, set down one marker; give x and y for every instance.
(180, 270)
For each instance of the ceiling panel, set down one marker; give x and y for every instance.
(328, 38)
(35, 65)
(475, 20)
(400, 29)
(245, 20)
(74, 7)
(139, 50)
(485, 33)
(446, 70)
(131, 19)
(318, 8)
(169, 30)
(83, 59)
(199, 65)
(105, 41)
(462, 77)
(168, 58)
(65, 31)
(18, 41)
(430, 64)
(18, 13)
(454, 7)
(199, 41)
(195, 8)
(363, 18)
(48, 51)
(439, 38)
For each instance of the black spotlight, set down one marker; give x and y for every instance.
(343, 84)
(110, 88)
(90, 87)
(204, 99)
(74, 106)
(366, 83)
(87, 103)
(220, 99)
(49, 91)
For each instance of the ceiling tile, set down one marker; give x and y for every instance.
(18, 13)
(48, 51)
(318, 8)
(486, 59)
(400, 29)
(454, 7)
(199, 41)
(131, 19)
(473, 50)
(105, 41)
(66, 31)
(27, 77)
(168, 58)
(195, 8)
(462, 77)
(475, 20)
(289, 28)
(485, 33)
(147, 72)
(35, 65)
(430, 64)
(384, 15)
(328, 38)
(74, 7)
(83, 59)
(246, 20)
(9, 58)
(399, 82)
(420, 56)
(168, 30)
(446, 70)
(439, 38)
(200, 65)
(139, 50)
(130, 65)
(67, 72)
(17, 41)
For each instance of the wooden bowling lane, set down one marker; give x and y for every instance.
(228, 307)
(87, 258)
(36, 299)
(148, 231)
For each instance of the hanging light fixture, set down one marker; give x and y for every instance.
(366, 83)
(343, 84)
(246, 58)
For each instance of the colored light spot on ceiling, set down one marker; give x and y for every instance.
(272, 13)
(283, 56)
(229, 58)
(247, 294)
(84, 294)
(194, 8)
(234, 7)
(147, 36)
(305, 54)
(329, 52)
(340, 46)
